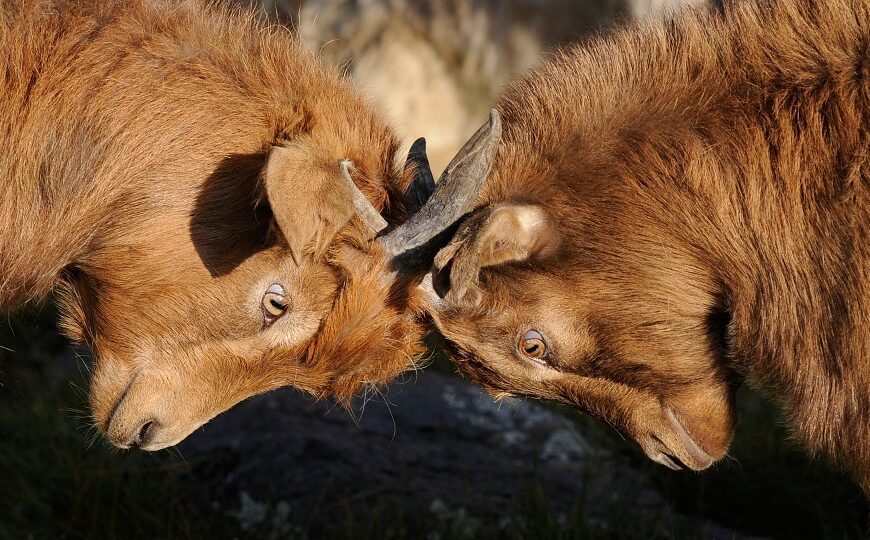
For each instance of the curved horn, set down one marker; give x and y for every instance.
(454, 196)
(363, 207)
(441, 206)
(415, 196)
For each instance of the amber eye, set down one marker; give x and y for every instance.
(274, 303)
(532, 344)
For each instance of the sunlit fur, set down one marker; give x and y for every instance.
(709, 178)
(134, 134)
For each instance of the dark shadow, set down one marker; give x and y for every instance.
(230, 221)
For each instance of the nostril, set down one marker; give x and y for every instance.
(141, 437)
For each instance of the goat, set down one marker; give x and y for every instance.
(178, 174)
(674, 209)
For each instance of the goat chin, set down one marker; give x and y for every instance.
(675, 448)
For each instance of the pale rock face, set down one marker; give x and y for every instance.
(412, 86)
(647, 8)
(434, 67)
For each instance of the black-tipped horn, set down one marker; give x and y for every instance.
(454, 195)
(424, 183)
(439, 207)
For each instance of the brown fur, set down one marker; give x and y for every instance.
(706, 181)
(135, 137)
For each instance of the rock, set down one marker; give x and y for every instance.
(431, 443)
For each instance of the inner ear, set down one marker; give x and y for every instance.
(307, 197)
(492, 236)
(516, 233)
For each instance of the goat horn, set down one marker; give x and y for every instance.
(438, 206)
(364, 208)
(416, 195)
(424, 183)
(454, 196)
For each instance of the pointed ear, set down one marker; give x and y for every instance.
(491, 236)
(308, 199)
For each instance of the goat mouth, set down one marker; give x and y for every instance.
(695, 452)
(670, 461)
(108, 420)
(675, 448)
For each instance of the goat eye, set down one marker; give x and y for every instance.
(532, 344)
(274, 304)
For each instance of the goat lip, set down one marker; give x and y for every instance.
(699, 459)
(154, 446)
(668, 461)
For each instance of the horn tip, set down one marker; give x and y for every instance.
(494, 120)
(419, 144)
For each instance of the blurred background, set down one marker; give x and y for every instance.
(431, 457)
(435, 67)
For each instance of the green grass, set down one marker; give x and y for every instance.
(57, 481)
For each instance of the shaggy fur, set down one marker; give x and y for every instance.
(706, 187)
(135, 136)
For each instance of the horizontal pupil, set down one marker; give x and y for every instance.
(277, 305)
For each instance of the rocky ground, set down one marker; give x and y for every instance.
(433, 444)
(433, 457)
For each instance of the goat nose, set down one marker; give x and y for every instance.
(143, 434)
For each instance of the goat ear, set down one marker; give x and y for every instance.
(307, 197)
(492, 236)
